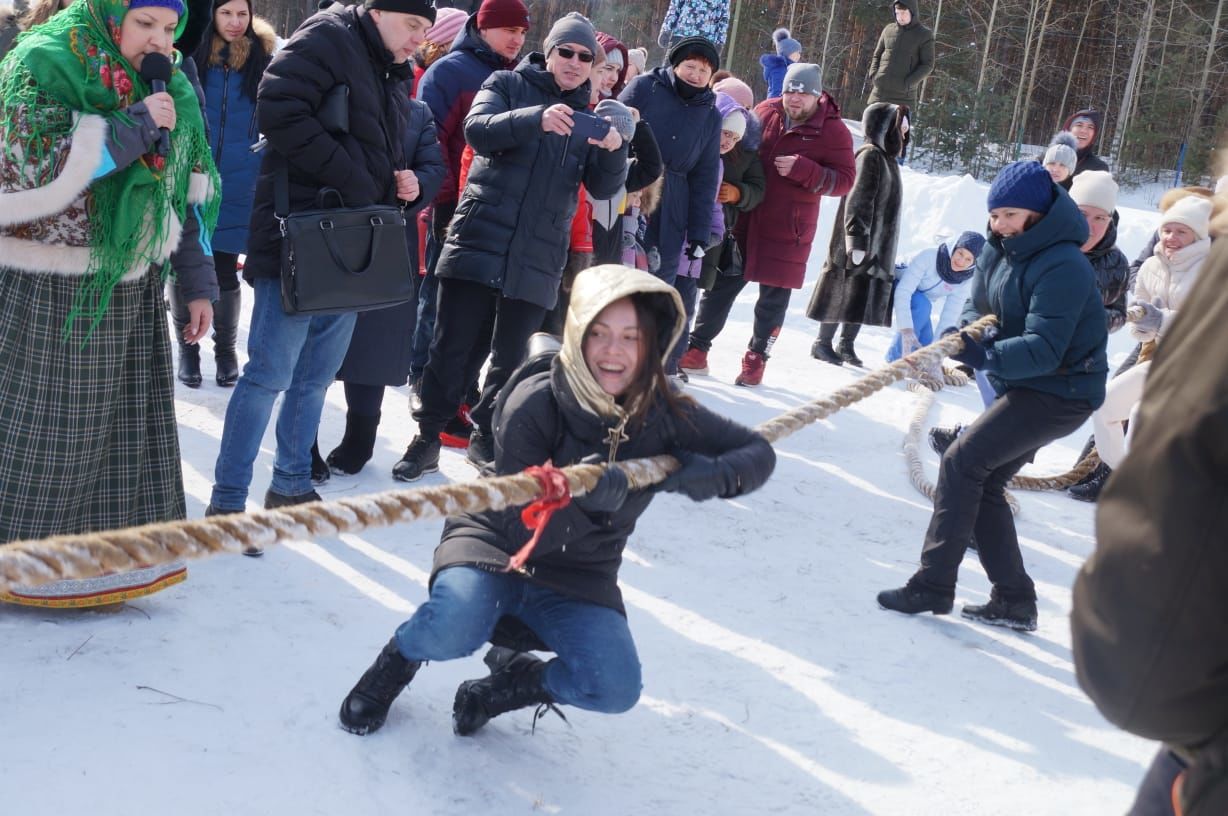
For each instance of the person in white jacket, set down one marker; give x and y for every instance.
(1164, 281)
(943, 273)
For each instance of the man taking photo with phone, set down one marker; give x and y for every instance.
(503, 258)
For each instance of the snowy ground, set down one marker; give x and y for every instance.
(772, 682)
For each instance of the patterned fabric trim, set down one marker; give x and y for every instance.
(105, 589)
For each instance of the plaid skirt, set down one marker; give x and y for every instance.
(89, 439)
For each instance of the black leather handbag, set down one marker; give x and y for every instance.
(340, 259)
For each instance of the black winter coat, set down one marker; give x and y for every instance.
(579, 553)
(382, 344)
(689, 134)
(333, 47)
(512, 226)
(744, 170)
(1112, 276)
(868, 220)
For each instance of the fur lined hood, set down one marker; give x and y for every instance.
(237, 55)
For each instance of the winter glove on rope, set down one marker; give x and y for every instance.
(610, 491)
(701, 477)
(1147, 325)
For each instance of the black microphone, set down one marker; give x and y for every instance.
(156, 70)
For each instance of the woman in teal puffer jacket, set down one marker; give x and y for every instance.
(1048, 365)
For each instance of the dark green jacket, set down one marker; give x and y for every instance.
(903, 57)
(1052, 331)
(743, 170)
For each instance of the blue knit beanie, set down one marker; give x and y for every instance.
(974, 242)
(1025, 185)
(176, 6)
(785, 44)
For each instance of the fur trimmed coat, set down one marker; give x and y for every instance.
(868, 221)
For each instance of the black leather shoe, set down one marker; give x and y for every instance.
(273, 500)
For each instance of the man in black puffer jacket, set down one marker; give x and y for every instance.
(366, 49)
(501, 265)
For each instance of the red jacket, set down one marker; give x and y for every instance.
(777, 234)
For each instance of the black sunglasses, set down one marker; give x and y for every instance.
(567, 53)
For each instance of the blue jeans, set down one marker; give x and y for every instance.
(596, 668)
(922, 309)
(297, 354)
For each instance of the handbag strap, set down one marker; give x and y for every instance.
(377, 238)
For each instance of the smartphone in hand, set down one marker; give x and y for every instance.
(587, 126)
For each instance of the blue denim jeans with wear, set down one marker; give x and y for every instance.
(295, 354)
(596, 668)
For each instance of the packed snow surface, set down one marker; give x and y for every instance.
(772, 681)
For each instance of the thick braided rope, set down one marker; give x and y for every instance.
(33, 563)
(912, 444)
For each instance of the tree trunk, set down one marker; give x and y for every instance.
(1127, 95)
(1201, 98)
(937, 22)
(1061, 110)
(980, 80)
(1040, 47)
(1012, 135)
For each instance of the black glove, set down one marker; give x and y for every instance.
(973, 353)
(701, 477)
(695, 250)
(608, 494)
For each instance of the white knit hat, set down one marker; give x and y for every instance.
(1095, 188)
(735, 122)
(1192, 211)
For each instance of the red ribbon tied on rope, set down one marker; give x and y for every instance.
(556, 494)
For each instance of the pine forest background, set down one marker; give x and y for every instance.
(1007, 71)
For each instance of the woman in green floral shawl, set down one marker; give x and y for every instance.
(100, 182)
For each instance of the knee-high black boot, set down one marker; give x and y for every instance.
(225, 330)
(189, 354)
(357, 444)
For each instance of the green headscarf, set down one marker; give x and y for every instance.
(72, 63)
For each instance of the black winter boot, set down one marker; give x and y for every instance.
(189, 354)
(481, 452)
(941, 438)
(1089, 490)
(515, 681)
(225, 330)
(319, 468)
(913, 598)
(847, 354)
(357, 444)
(421, 457)
(365, 708)
(1019, 614)
(823, 350)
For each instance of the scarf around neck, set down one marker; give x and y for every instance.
(949, 275)
(72, 65)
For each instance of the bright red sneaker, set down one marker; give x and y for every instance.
(753, 364)
(456, 433)
(694, 361)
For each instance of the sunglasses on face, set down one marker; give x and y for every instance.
(567, 53)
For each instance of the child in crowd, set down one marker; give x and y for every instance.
(1060, 159)
(788, 51)
(943, 273)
